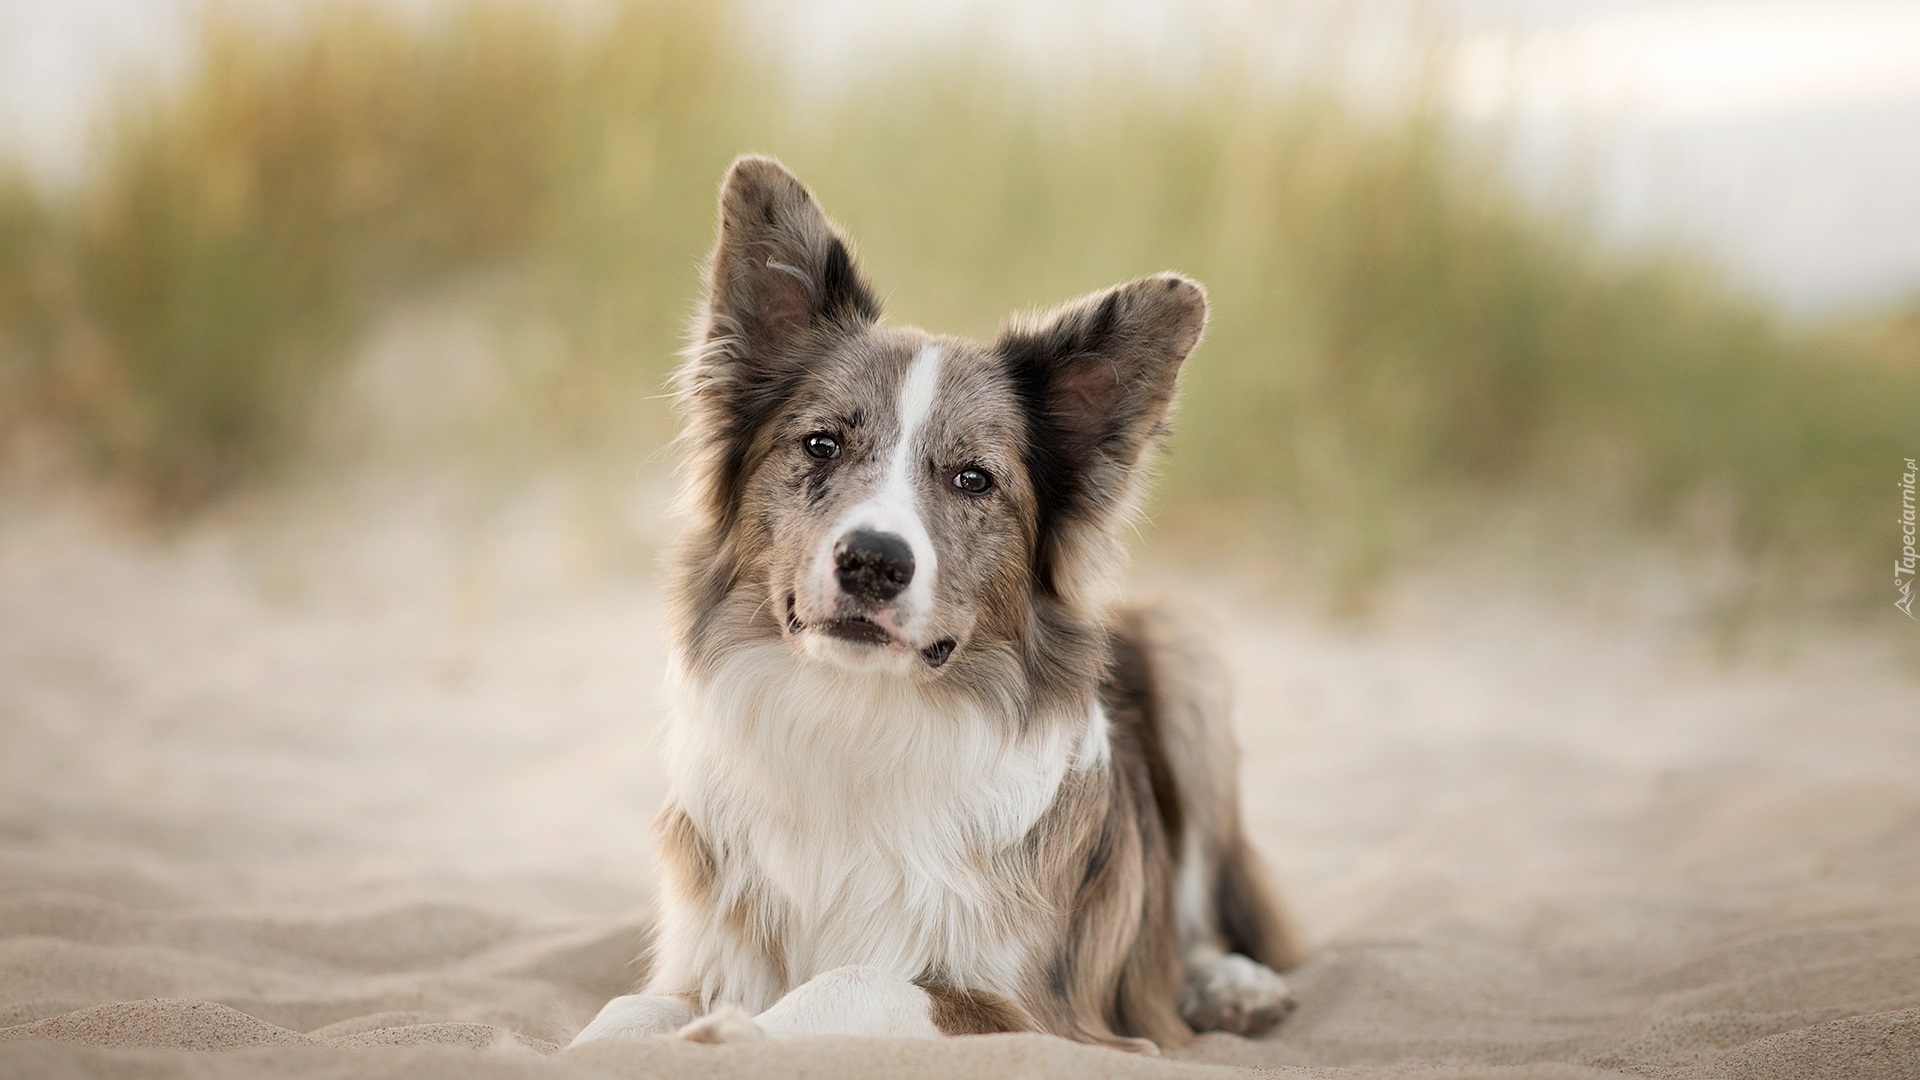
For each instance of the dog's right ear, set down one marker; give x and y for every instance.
(781, 275)
(781, 283)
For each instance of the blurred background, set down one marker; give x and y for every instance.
(1542, 464)
(1560, 276)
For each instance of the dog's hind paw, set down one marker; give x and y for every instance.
(1236, 994)
(726, 1024)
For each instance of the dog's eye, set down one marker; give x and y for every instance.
(973, 481)
(821, 446)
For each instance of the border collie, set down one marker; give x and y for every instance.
(928, 777)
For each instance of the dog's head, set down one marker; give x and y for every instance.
(886, 499)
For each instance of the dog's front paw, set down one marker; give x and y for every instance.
(1234, 993)
(636, 1016)
(726, 1024)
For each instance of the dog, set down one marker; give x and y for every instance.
(928, 776)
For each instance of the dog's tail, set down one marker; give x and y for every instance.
(1191, 719)
(1250, 917)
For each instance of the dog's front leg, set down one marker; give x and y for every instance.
(844, 1001)
(636, 1016)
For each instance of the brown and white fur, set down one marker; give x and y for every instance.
(928, 778)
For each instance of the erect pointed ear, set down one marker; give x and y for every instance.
(781, 280)
(1096, 377)
(781, 273)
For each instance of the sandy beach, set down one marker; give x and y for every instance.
(365, 792)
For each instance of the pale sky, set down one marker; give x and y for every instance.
(1694, 62)
(1781, 136)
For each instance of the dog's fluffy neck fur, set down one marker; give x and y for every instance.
(868, 814)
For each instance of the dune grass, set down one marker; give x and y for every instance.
(1396, 333)
(239, 233)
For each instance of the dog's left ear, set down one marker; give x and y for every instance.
(1097, 379)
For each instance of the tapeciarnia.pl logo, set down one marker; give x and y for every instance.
(1904, 566)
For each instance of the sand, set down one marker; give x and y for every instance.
(364, 792)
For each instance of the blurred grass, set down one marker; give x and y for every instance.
(1399, 340)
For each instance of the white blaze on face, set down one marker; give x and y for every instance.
(894, 506)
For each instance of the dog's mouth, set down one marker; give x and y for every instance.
(864, 631)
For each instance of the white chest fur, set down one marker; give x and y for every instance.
(856, 821)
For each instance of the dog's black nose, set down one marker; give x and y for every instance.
(873, 566)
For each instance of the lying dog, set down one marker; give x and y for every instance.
(927, 777)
